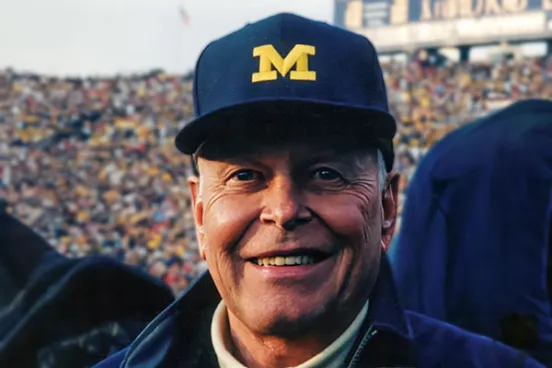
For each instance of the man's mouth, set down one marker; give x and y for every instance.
(291, 260)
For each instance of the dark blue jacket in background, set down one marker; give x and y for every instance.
(474, 243)
(61, 312)
(390, 337)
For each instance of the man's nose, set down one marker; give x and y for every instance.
(283, 205)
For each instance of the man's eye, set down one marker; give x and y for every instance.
(246, 175)
(326, 174)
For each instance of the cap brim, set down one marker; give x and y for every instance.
(382, 124)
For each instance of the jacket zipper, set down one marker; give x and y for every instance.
(365, 340)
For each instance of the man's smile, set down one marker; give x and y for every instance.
(298, 266)
(296, 257)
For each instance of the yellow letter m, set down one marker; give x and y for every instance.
(298, 57)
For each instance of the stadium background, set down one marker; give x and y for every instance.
(90, 162)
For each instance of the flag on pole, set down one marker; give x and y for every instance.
(184, 15)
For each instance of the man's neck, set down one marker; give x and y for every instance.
(259, 351)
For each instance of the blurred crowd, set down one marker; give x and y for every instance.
(431, 96)
(91, 165)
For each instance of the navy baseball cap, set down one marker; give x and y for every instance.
(290, 65)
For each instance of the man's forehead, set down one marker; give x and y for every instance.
(297, 153)
(295, 142)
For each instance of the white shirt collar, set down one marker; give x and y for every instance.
(331, 357)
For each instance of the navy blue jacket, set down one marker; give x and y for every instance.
(390, 337)
(61, 312)
(474, 247)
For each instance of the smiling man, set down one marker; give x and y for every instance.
(294, 206)
(284, 225)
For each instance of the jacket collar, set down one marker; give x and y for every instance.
(180, 335)
(385, 309)
(386, 339)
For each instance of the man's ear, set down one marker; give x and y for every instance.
(193, 183)
(390, 197)
(197, 205)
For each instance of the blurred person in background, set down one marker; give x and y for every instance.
(475, 247)
(59, 312)
(158, 269)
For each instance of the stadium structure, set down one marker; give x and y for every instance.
(399, 26)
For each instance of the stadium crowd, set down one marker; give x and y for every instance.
(90, 163)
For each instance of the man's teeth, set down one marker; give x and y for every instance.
(284, 261)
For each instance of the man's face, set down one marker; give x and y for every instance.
(315, 210)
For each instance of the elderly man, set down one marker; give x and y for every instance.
(294, 207)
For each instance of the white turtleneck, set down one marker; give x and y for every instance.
(331, 357)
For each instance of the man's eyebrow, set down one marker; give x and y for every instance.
(240, 161)
(246, 158)
(313, 159)
(355, 163)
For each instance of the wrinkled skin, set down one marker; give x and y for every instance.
(301, 194)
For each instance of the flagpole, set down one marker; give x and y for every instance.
(184, 20)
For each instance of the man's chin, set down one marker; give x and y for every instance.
(290, 326)
(285, 317)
